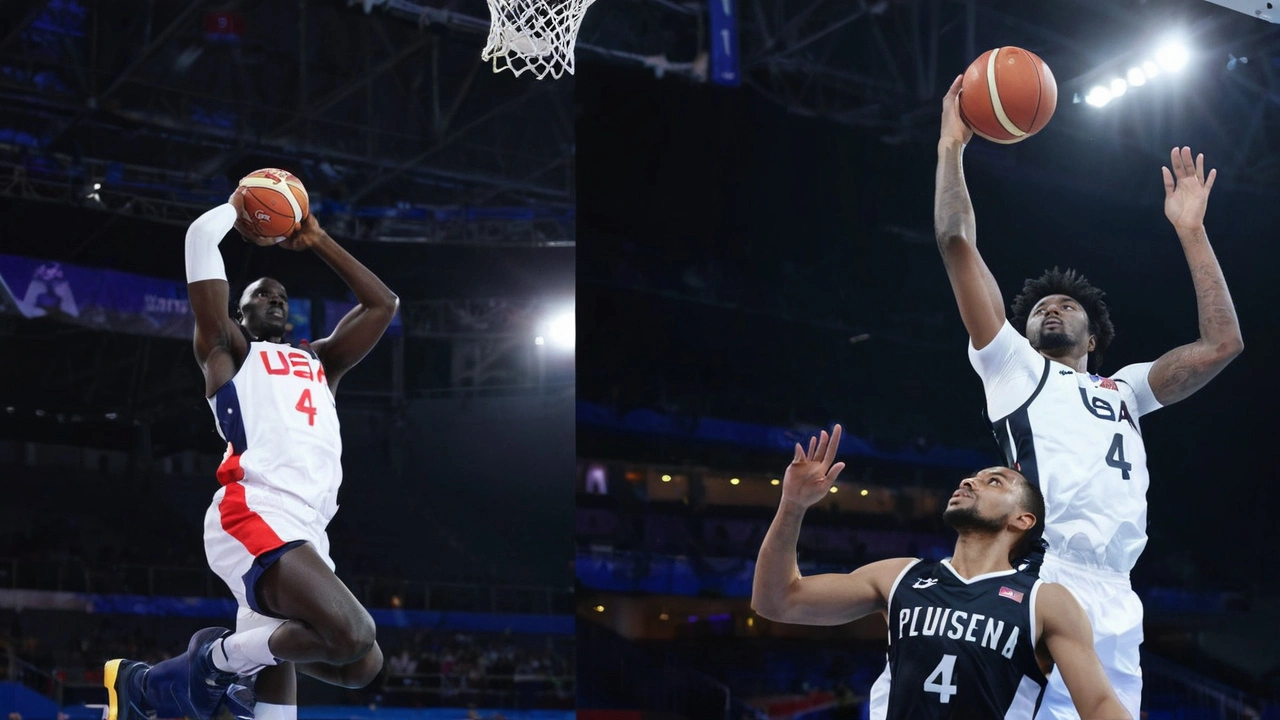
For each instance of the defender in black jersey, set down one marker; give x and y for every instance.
(969, 637)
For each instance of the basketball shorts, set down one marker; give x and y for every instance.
(1116, 614)
(246, 529)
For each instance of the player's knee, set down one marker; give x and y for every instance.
(354, 639)
(367, 669)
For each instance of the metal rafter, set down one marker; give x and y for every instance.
(344, 111)
(881, 65)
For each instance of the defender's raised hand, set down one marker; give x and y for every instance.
(811, 474)
(1185, 201)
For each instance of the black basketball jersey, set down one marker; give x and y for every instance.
(962, 648)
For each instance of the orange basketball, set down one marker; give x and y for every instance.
(1007, 95)
(273, 202)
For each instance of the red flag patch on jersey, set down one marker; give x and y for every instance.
(1104, 382)
(1010, 593)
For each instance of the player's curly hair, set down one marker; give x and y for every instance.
(1032, 502)
(1072, 284)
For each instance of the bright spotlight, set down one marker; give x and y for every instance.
(1150, 69)
(560, 330)
(1172, 56)
(1136, 77)
(1098, 96)
(1118, 87)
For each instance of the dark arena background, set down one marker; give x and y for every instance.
(757, 262)
(120, 122)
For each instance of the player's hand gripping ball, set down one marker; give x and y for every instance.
(270, 206)
(1007, 95)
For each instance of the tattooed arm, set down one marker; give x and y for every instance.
(977, 294)
(1184, 370)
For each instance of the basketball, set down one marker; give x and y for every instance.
(273, 202)
(1007, 95)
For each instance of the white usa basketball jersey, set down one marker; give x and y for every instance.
(1077, 436)
(281, 426)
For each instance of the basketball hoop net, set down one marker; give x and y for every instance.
(534, 35)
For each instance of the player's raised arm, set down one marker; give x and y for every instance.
(1184, 370)
(220, 347)
(1067, 634)
(977, 294)
(778, 591)
(360, 330)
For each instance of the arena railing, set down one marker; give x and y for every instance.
(373, 591)
(20, 671)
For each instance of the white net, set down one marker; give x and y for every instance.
(534, 36)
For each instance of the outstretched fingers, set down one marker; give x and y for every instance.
(829, 456)
(834, 473)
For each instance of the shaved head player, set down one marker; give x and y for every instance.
(265, 530)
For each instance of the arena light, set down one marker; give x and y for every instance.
(558, 330)
(734, 481)
(666, 478)
(775, 481)
(1098, 96)
(1172, 56)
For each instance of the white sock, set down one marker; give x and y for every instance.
(245, 652)
(267, 711)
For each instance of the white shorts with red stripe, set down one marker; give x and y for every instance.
(245, 529)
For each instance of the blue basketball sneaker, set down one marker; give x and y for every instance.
(206, 684)
(123, 679)
(237, 704)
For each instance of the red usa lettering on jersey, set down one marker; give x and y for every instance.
(294, 362)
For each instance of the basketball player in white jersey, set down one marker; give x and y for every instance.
(265, 531)
(970, 636)
(1067, 428)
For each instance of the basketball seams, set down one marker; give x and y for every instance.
(1036, 64)
(279, 196)
(274, 185)
(997, 107)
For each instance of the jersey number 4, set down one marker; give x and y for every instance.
(306, 406)
(1115, 456)
(939, 681)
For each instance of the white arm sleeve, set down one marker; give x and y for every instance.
(1010, 370)
(1135, 377)
(204, 261)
